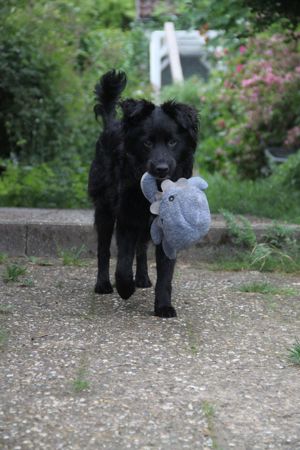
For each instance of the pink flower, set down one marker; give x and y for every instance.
(239, 68)
(270, 78)
(250, 81)
(242, 49)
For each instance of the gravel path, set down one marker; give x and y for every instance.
(80, 371)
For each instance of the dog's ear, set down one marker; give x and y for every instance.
(136, 110)
(186, 116)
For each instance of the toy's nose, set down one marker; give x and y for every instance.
(161, 170)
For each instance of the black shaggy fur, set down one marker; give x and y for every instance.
(159, 139)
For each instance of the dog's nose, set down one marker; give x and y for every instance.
(162, 170)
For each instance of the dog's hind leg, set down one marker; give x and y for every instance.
(105, 227)
(126, 242)
(142, 279)
(163, 288)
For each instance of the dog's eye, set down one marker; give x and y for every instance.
(148, 144)
(171, 198)
(172, 143)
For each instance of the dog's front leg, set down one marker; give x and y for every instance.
(126, 242)
(163, 288)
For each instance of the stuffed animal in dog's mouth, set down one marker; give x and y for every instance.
(182, 210)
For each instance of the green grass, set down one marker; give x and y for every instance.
(72, 257)
(3, 257)
(27, 282)
(261, 198)
(80, 385)
(208, 409)
(209, 414)
(5, 310)
(39, 261)
(267, 288)
(280, 251)
(3, 337)
(13, 273)
(294, 353)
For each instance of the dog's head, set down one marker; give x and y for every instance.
(157, 138)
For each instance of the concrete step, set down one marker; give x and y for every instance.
(45, 232)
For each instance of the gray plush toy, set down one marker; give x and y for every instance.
(182, 209)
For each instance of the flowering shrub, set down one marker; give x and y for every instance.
(253, 105)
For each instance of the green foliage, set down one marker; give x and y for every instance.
(266, 197)
(72, 257)
(252, 105)
(266, 288)
(53, 185)
(251, 102)
(263, 256)
(279, 236)
(13, 272)
(239, 229)
(80, 385)
(239, 18)
(268, 258)
(288, 174)
(268, 12)
(51, 55)
(3, 257)
(294, 353)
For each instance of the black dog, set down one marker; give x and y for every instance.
(158, 139)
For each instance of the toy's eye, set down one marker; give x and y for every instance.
(148, 144)
(172, 143)
(171, 198)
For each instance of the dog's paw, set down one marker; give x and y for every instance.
(103, 287)
(143, 281)
(165, 311)
(125, 287)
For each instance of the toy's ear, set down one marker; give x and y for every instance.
(186, 116)
(135, 110)
(167, 185)
(149, 187)
(198, 182)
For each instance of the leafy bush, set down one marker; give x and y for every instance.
(45, 186)
(51, 55)
(253, 105)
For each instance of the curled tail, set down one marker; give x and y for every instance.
(108, 92)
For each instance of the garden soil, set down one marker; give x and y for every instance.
(81, 371)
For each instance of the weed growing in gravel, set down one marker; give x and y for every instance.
(72, 257)
(208, 409)
(13, 273)
(6, 309)
(3, 257)
(27, 282)
(80, 385)
(193, 345)
(39, 261)
(3, 337)
(294, 353)
(209, 413)
(267, 288)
